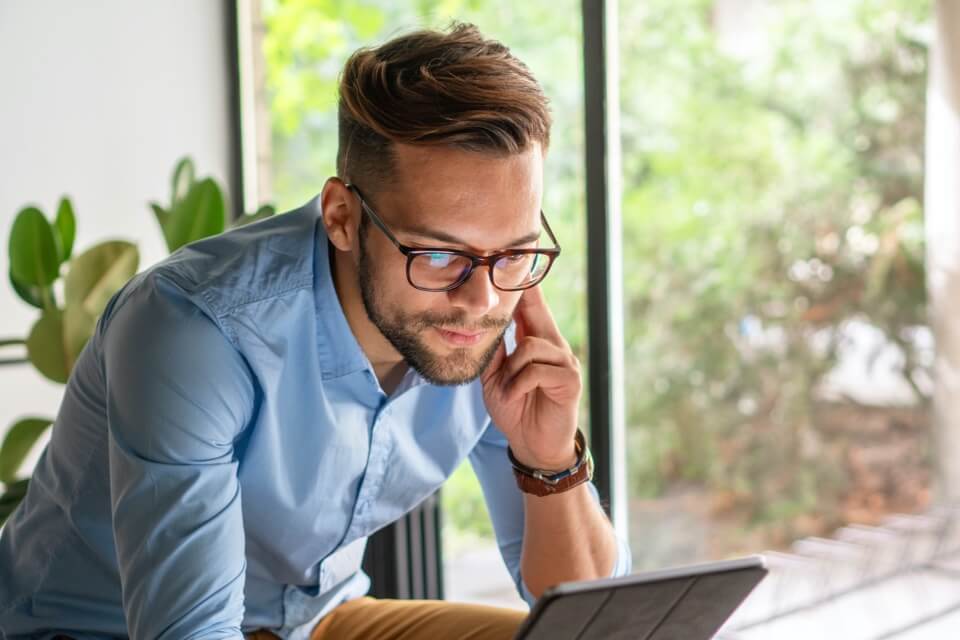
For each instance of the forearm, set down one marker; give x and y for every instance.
(566, 537)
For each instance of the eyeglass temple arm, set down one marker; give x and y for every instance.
(546, 225)
(377, 221)
(383, 227)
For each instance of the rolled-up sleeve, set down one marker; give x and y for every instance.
(505, 504)
(178, 398)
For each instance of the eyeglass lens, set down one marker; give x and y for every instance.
(442, 270)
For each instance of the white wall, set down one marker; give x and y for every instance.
(98, 100)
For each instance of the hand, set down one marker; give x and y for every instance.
(533, 395)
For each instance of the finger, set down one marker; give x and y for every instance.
(537, 318)
(535, 350)
(496, 363)
(520, 331)
(558, 383)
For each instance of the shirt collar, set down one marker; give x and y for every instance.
(340, 353)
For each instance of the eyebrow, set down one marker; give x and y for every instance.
(446, 237)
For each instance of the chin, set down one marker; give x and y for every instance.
(451, 366)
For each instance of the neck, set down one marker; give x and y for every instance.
(388, 365)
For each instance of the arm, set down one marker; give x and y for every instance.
(178, 395)
(568, 537)
(509, 512)
(533, 396)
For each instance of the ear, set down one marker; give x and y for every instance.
(341, 211)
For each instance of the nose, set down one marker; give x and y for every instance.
(477, 296)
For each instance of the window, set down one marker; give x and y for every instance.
(777, 346)
(778, 355)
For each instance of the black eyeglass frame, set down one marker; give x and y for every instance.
(475, 260)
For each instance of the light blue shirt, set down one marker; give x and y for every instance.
(224, 449)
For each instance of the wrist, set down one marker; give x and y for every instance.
(540, 481)
(551, 465)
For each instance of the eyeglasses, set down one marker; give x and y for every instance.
(447, 269)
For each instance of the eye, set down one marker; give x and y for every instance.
(513, 260)
(439, 260)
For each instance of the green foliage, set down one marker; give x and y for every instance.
(98, 273)
(56, 339)
(198, 208)
(17, 444)
(31, 294)
(263, 212)
(66, 226)
(464, 511)
(15, 491)
(772, 198)
(39, 251)
(34, 260)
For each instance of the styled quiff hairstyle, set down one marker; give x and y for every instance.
(453, 88)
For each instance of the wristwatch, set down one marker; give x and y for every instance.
(544, 483)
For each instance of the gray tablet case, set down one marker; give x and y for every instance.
(684, 603)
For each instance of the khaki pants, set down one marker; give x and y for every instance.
(375, 619)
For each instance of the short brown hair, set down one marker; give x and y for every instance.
(453, 88)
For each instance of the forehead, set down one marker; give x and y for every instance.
(486, 200)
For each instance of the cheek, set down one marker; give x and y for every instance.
(386, 272)
(396, 292)
(508, 303)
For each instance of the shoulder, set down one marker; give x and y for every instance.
(247, 264)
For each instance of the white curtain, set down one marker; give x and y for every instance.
(942, 211)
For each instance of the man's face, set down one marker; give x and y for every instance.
(450, 199)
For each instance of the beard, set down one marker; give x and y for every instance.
(404, 331)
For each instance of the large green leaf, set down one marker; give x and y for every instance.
(163, 218)
(262, 213)
(56, 340)
(183, 178)
(99, 272)
(29, 293)
(161, 214)
(34, 259)
(66, 228)
(14, 494)
(198, 215)
(17, 444)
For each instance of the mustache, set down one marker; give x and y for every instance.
(457, 322)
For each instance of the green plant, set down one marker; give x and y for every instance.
(197, 208)
(44, 271)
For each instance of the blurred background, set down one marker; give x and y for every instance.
(786, 177)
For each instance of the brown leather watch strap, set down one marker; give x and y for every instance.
(543, 483)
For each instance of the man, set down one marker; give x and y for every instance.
(252, 408)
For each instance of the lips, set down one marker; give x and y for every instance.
(460, 338)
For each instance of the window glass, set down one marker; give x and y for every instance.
(778, 354)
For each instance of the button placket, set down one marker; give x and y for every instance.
(373, 475)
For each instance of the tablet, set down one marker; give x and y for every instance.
(682, 603)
